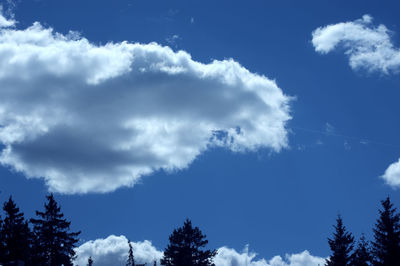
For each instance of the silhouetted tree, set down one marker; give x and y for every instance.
(15, 235)
(131, 258)
(90, 261)
(341, 245)
(54, 245)
(185, 248)
(2, 247)
(386, 246)
(362, 254)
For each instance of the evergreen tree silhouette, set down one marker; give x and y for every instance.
(54, 245)
(2, 247)
(90, 261)
(185, 248)
(362, 254)
(15, 235)
(341, 245)
(386, 246)
(131, 258)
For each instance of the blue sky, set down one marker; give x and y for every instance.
(331, 119)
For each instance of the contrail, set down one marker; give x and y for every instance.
(361, 140)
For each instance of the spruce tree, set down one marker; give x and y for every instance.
(186, 246)
(341, 245)
(386, 246)
(362, 254)
(131, 258)
(15, 235)
(90, 261)
(54, 243)
(2, 247)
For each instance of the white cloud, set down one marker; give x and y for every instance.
(4, 22)
(368, 47)
(114, 250)
(93, 118)
(230, 257)
(392, 175)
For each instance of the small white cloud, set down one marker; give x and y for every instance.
(93, 118)
(392, 175)
(304, 259)
(230, 257)
(192, 20)
(368, 47)
(113, 250)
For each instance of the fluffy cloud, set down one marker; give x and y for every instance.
(93, 118)
(114, 250)
(230, 257)
(368, 47)
(392, 175)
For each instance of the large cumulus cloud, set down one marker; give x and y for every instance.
(93, 118)
(113, 250)
(368, 47)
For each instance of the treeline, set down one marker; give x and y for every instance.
(47, 240)
(384, 250)
(43, 240)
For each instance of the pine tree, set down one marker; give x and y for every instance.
(131, 258)
(54, 245)
(15, 235)
(185, 248)
(2, 247)
(386, 247)
(90, 261)
(362, 255)
(341, 245)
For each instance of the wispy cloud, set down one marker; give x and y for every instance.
(368, 47)
(6, 22)
(93, 118)
(173, 40)
(329, 129)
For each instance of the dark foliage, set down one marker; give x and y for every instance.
(2, 247)
(90, 261)
(362, 254)
(386, 246)
(341, 245)
(53, 245)
(15, 235)
(186, 246)
(131, 258)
